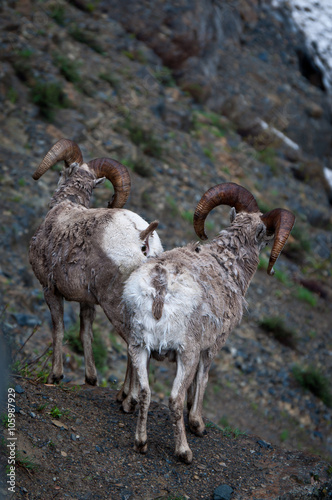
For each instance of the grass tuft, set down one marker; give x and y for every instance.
(312, 379)
(276, 326)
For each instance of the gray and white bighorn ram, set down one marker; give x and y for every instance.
(83, 254)
(185, 302)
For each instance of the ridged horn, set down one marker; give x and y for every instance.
(117, 174)
(279, 222)
(227, 193)
(65, 150)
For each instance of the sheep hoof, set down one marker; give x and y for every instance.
(91, 380)
(129, 404)
(141, 447)
(198, 428)
(186, 456)
(121, 395)
(54, 379)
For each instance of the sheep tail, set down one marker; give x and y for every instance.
(160, 284)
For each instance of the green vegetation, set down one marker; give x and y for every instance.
(165, 77)
(214, 122)
(227, 431)
(68, 68)
(58, 13)
(269, 157)
(57, 413)
(145, 139)
(12, 95)
(4, 420)
(86, 37)
(276, 326)
(22, 64)
(303, 293)
(311, 378)
(26, 462)
(49, 96)
(98, 346)
(140, 166)
(111, 79)
(208, 151)
(284, 435)
(135, 55)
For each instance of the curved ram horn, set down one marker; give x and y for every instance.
(279, 222)
(117, 174)
(65, 150)
(228, 193)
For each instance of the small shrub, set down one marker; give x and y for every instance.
(145, 139)
(86, 37)
(303, 293)
(140, 166)
(188, 216)
(268, 156)
(22, 65)
(58, 13)
(111, 79)
(276, 326)
(311, 378)
(4, 420)
(284, 435)
(135, 55)
(49, 96)
(165, 77)
(68, 68)
(26, 462)
(57, 413)
(12, 95)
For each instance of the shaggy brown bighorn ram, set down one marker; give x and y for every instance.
(185, 303)
(84, 254)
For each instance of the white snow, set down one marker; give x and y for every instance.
(315, 20)
(328, 176)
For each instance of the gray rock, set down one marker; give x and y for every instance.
(223, 492)
(27, 319)
(19, 389)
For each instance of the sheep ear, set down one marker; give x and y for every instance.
(260, 232)
(146, 232)
(100, 181)
(232, 214)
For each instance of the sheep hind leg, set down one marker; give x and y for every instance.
(87, 316)
(140, 365)
(196, 423)
(185, 372)
(132, 389)
(55, 304)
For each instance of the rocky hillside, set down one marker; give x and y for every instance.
(187, 95)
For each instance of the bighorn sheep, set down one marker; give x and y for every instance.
(84, 254)
(186, 302)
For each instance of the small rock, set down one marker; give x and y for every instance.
(100, 449)
(63, 454)
(223, 492)
(264, 444)
(19, 389)
(73, 436)
(27, 320)
(32, 414)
